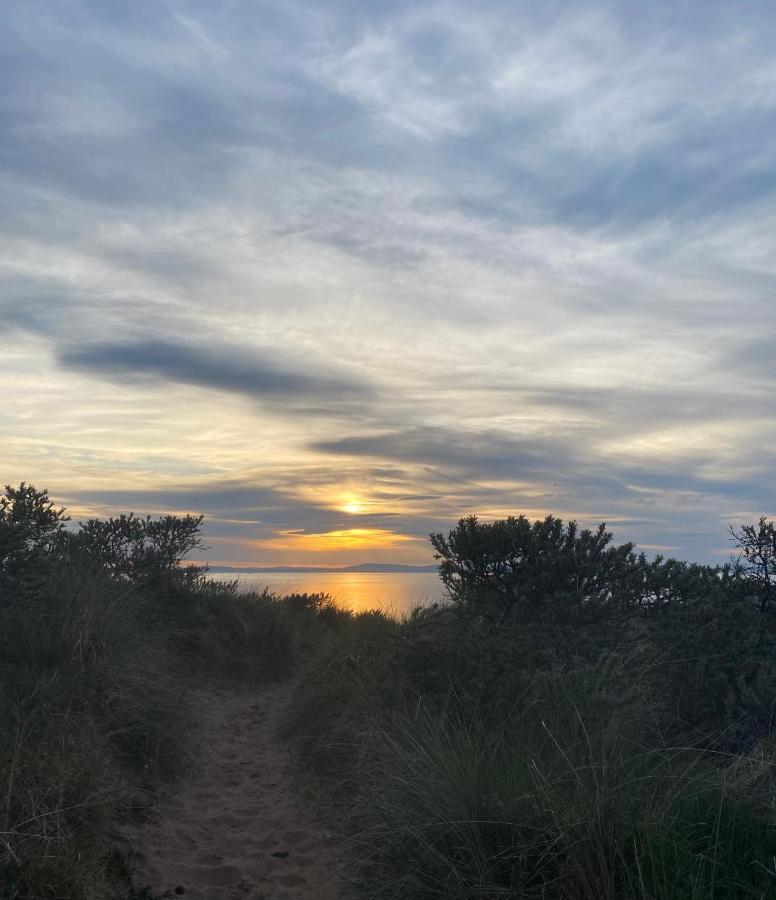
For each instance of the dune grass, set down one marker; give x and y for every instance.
(547, 782)
(96, 679)
(554, 788)
(552, 783)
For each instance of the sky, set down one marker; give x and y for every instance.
(336, 274)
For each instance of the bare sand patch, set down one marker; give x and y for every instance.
(237, 828)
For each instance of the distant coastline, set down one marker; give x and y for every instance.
(371, 568)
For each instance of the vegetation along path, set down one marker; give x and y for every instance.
(237, 829)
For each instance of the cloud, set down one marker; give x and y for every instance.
(486, 259)
(755, 356)
(490, 454)
(232, 369)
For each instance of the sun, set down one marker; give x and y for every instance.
(352, 505)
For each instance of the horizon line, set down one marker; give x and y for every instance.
(374, 568)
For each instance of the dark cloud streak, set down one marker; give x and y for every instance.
(492, 454)
(235, 370)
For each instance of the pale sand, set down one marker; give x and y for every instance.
(237, 828)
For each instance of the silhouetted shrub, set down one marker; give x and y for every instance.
(512, 568)
(31, 528)
(312, 603)
(711, 666)
(756, 563)
(138, 549)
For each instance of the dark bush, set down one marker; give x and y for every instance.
(31, 529)
(139, 549)
(512, 568)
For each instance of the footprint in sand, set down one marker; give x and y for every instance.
(236, 829)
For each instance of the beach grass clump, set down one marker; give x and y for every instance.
(98, 685)
(520, 812)
(561, 798)
(99, 668)
(212, 628)
(97, 678)
(91, 715)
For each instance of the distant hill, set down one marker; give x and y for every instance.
(375, 568)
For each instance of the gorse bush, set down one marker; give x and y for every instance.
(31, 529)
(30, 525)
(127, 547)
(513, 567)
(710, 663)
(140, 549)
(548, 596)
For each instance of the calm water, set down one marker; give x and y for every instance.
(395, 592)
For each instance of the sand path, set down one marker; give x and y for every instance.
(237, 828)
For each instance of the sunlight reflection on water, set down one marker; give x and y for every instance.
(394, 592)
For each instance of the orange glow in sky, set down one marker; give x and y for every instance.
(346, 539)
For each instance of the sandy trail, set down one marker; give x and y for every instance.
(236, 828)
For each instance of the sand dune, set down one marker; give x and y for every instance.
(236, 828)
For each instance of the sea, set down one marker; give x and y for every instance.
(395, 593)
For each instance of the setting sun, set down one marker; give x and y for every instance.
(352, 505)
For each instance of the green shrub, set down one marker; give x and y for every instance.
(578, 723)
(712, 669)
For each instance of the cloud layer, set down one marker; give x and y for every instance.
(281, 261)
(252, 373)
